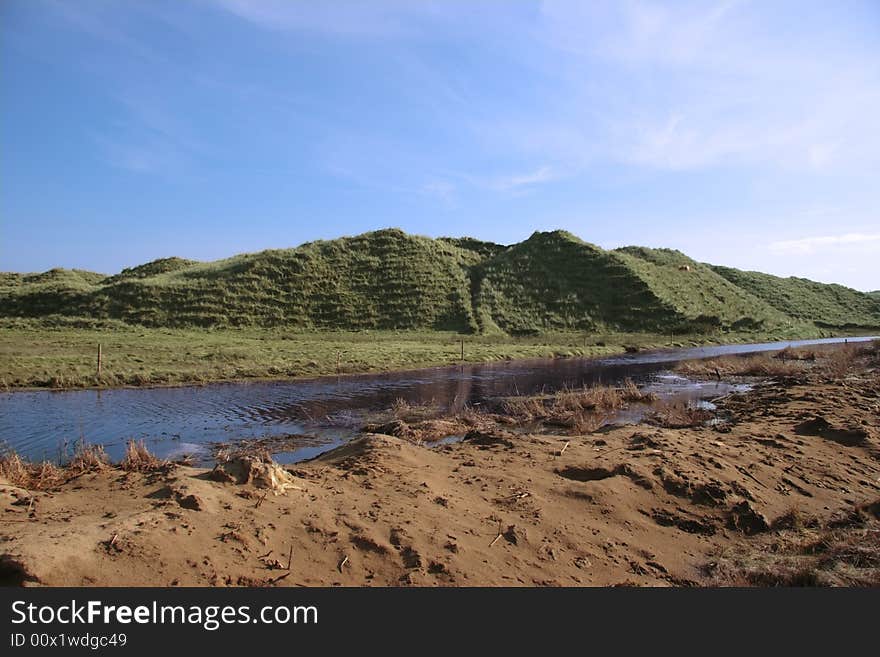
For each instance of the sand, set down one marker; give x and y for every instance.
(630, 505)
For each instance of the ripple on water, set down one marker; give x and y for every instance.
(38, 424)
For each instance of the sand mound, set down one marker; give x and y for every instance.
(259, 472)
(362, 448)
(849, 436)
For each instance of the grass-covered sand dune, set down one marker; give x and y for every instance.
(390, 280)
(821, 303)
(389, 300)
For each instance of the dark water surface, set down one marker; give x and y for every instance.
(178, 421)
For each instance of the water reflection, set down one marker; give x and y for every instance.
(177, 421)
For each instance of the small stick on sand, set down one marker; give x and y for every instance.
(260, 501)
(342, 563)
(564, 447)
(290, 557)
(265, 555)
(18, 519)
(113, 540)
(280, 577)
(500, 534)
(750, 475)
(608, 451)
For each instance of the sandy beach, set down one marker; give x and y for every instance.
(784, 490)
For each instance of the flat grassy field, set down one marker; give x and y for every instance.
(34, 355)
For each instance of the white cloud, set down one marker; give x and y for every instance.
(345, 18)
(696, 85)
(519, 180)
(149, 139)
(103, 21)
(150, 157)
(683, 86)
(442, 189)
(810, 245)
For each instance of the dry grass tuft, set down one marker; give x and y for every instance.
(676, 415)
(631, 393)
(802, 553)
(586, 423)
(837, 364)
(796, 519)
(565, 403)
(832, 362)
(139, 459)
(525, 408)
(756, 365)
(402, 409)
(791, 353)
(45, 475)
(32, 476)
(582, 410)
(87, 458)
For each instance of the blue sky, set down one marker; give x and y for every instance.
(743, 133)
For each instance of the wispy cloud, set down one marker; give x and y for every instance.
(810, 245)
(522, 180)
(342, 18)
(442, 189)
(689, 86)
(673, 87)
(110, 23)
(147, 138)
(146, 157)
(359, 19)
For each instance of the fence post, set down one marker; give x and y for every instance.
(462, 349)
(100, 358)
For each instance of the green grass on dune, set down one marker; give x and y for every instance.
(389, 280)
(58, 278)
(698, 294)
(823, 304)
(556, 281)
(160, 266)
(380, 280)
